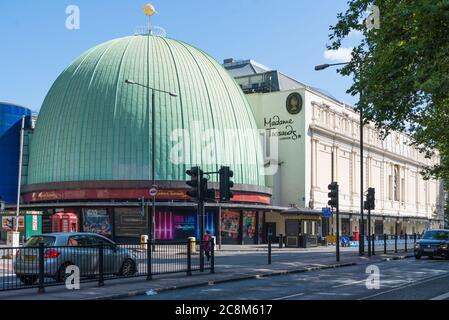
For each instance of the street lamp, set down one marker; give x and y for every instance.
(362, 224)
(153, 132)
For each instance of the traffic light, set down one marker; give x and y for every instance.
(226, 184)
(196, 177)
(333, 195)
(370, 199)
(206, 194)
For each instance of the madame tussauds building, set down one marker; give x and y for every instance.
(91, 151)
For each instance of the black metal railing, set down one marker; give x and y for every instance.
(43, 266)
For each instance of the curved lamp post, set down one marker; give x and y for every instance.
(362, 223)
(153, 132)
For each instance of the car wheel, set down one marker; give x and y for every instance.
(61, 276)
(128, 268)
(28, 280)
(417, 257)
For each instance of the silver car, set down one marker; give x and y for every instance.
(65, 249)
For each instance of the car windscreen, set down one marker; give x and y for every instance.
(436, 235)
(35, 240)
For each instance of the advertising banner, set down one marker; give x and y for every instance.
(97, 221)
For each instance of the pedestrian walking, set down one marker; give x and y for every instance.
(207, 239)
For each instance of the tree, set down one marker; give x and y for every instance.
(402, 69)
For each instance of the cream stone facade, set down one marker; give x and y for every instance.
(320, 144)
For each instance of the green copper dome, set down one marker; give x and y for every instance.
(93, 126)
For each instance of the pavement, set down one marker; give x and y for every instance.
(232, 264)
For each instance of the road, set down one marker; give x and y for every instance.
(399, 280)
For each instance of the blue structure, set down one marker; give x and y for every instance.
(10, 124)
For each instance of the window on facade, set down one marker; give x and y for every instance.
(402, 189)
(390, 187)
(396, 183)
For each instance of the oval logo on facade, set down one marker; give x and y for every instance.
(294, 103)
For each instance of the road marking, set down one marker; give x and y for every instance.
(349, 284)
(441, 297)
(418, 282)
(290, 296)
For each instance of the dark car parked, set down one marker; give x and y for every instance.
(434, 243)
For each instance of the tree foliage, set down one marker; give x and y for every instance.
(402, 70)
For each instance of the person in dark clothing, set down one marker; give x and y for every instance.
(207, 239)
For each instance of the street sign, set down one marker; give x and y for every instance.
(326, 212)
(153, 191)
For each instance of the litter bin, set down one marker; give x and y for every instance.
(304, 241)
(192, 244)
(143, 241)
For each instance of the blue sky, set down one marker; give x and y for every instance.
(287, 35)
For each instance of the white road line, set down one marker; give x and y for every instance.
(290, 296)
(441, 297)
(349, 284)
(418, 282)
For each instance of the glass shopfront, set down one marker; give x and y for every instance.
(97, 221)
(181, 224)
(249, 227)
(230, 227)
(129, 224)
(260, 224)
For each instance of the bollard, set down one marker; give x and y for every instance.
(212, 256)
(41, 268)
(414, 238)
(385, 243)
(405, 242)
(269, 249)
(149, 261)
(189, 258)
(373, 243)
(281, 240)
(100, 265)
(201, 256)
(396, 243)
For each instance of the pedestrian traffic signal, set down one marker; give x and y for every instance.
(196, 177)
(370, 199)
(226, 183)
(333, 195)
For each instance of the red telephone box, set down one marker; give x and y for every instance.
(64, 222)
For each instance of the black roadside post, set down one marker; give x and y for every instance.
(200, 208)
(396, 239)
(373, 243)
(149, 259)
(385, 243)
(212, 255)
(405, 242)
(369, 232)
(414, 238)
(189, 257)
(281, 240)
(41, 268)
(269, 246)
(100, 265)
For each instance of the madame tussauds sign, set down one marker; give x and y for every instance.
(284, 128)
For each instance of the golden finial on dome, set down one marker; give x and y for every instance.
(149, 10)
